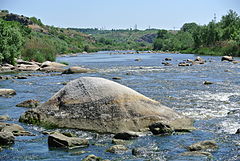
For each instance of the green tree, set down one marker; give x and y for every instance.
(189, 27)
(230, 25)
(11, 41)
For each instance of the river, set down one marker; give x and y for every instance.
(215, 107)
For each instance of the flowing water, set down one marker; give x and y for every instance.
(215, 107)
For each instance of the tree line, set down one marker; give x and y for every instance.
(215, 38)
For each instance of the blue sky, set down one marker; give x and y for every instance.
(165, 14)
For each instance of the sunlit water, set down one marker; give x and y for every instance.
(215, 107)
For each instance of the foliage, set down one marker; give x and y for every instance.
(36, 21)
(11, 41)
(215, 38)
(120, 39)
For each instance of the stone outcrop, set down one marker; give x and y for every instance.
(97, 104)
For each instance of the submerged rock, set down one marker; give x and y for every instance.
(119, 142)
(138, 59)
(197, 153)
(116, 149)
(207, 82)
(73, 70)
(29, 103)
(184, 64)
(62, 141)
(207, 144)
(97, 104)
(168, 59)
(117, 78)
(5, 92)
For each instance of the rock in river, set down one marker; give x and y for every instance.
(4, 92)
(73, 70)
(207, 144)
(116, 149)
(29, 103)
(97, 104)
(227, 58)
(61, 141)
(6, 138)
(15, 129)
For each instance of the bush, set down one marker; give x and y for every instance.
(38, 49)
(11, 41)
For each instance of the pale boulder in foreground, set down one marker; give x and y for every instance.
(101, 105)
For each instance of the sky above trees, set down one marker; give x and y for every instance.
(115, 14)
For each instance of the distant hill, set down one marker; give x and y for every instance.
(122, 38)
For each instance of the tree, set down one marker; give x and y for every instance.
(162, 34)
(189, 27)
(11, 41)
(230, 25)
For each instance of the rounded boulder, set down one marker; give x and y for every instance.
(101, 105)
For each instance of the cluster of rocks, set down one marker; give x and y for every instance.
(197, 61)
(190, 62)
(8, 131)
(47, 66)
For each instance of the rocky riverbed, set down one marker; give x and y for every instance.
(204, 88)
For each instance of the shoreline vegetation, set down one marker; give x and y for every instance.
(29, 39)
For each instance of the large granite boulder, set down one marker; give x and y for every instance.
(97, 104)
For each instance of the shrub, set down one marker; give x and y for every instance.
(11, 41)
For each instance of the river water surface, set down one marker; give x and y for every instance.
(215, 107)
